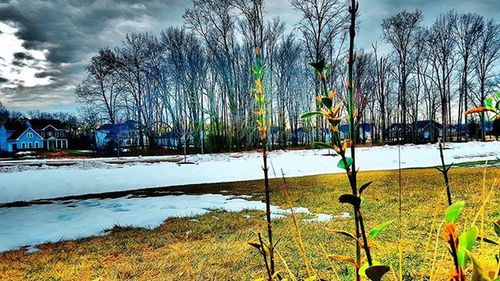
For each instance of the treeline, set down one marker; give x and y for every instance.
(195, 80)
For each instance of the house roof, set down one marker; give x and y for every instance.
(16, 134)
(422, 124)
(39, 124)
(14, 128)
(116, 129)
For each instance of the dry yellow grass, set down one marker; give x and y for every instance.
(214, 246)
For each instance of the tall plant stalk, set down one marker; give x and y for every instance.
(262, 120)
(352, 130)
(360, 228)
(331, 111)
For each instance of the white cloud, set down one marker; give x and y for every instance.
(22, 74)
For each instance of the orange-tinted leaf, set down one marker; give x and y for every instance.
(343, 258)
(477, 110)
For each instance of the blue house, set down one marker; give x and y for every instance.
(121, 134)
(19, 136)
(364, 131)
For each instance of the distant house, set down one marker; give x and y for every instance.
(122, 134)
(423, 131)
(301, 135)
(31, 135)
(428, 130)
(52, 131)
(19, 136)
(397, 132)
(364, 131)
(169, 139)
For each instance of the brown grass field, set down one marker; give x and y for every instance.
(215, 246)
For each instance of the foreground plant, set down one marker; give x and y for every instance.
(460, 247)
(266, 249)
(332, 113)
(491, 104)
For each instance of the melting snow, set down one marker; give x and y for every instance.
(73, 219)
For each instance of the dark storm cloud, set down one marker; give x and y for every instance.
(72, 31)
(22, 56)
(67, 28)
(44, 74)
(18, 63)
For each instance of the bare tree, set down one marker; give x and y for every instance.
(382, 80)
(321, 24)
(101, 87)
(400, 31)
(215, 22)
(441, 46)
(467, 29)
(486, 52)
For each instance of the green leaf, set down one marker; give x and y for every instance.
(260, 99)
(322, 144)
(488, 102)
(350, 199)
(376, 272)
(453, 211)
(328, 102)
(258, 71)
(465, 243)
(341, 163)
(310, 114)
(376, 231)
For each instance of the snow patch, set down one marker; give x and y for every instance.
(26, 227)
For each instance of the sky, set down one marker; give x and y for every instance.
(44, 44)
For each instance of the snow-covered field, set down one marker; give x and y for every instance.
(71, 219)
(36, 224)
(23, 183)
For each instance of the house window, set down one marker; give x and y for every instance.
(30, 145)
(49, 134)
(56, 134)
(23, 145)
(43, 134)
(37, 145)
(29, 135)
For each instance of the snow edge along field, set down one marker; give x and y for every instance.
(73, 219)
(95, 176)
